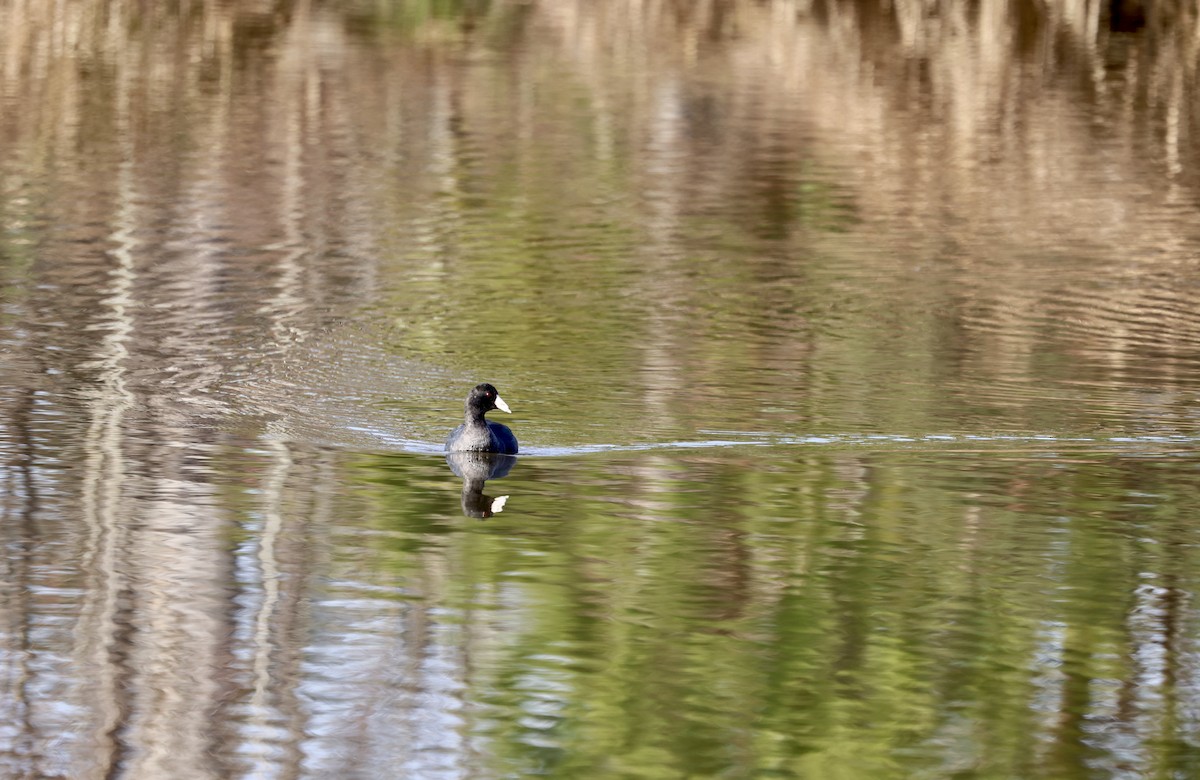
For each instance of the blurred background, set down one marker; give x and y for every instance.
(852, 348)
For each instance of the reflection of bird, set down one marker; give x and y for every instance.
(477, 434)
(475, 468)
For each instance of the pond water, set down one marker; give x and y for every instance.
(853, 348)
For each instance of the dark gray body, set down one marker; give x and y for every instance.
(482, 436)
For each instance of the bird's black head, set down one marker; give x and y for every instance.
(485, 398)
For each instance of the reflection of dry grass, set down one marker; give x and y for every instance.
(1050, 150)
(986, 81)
(953, 94)
(1009, 130)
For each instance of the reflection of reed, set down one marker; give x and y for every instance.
(150, 641)
(966, 100)
(1055, 136)
(105, 630)
(139, 635)
(269, 576)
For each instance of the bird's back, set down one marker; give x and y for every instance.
(503, 440)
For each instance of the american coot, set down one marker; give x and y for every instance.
(477, 434)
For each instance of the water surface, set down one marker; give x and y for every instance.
(852, 350)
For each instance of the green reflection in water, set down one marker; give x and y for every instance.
(791, 613)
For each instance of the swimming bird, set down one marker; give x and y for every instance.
(477, 434)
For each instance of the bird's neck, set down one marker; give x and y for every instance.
(474, 417)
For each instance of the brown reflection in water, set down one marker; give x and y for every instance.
(1037, 155)
(993, 135)
(150, 629)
